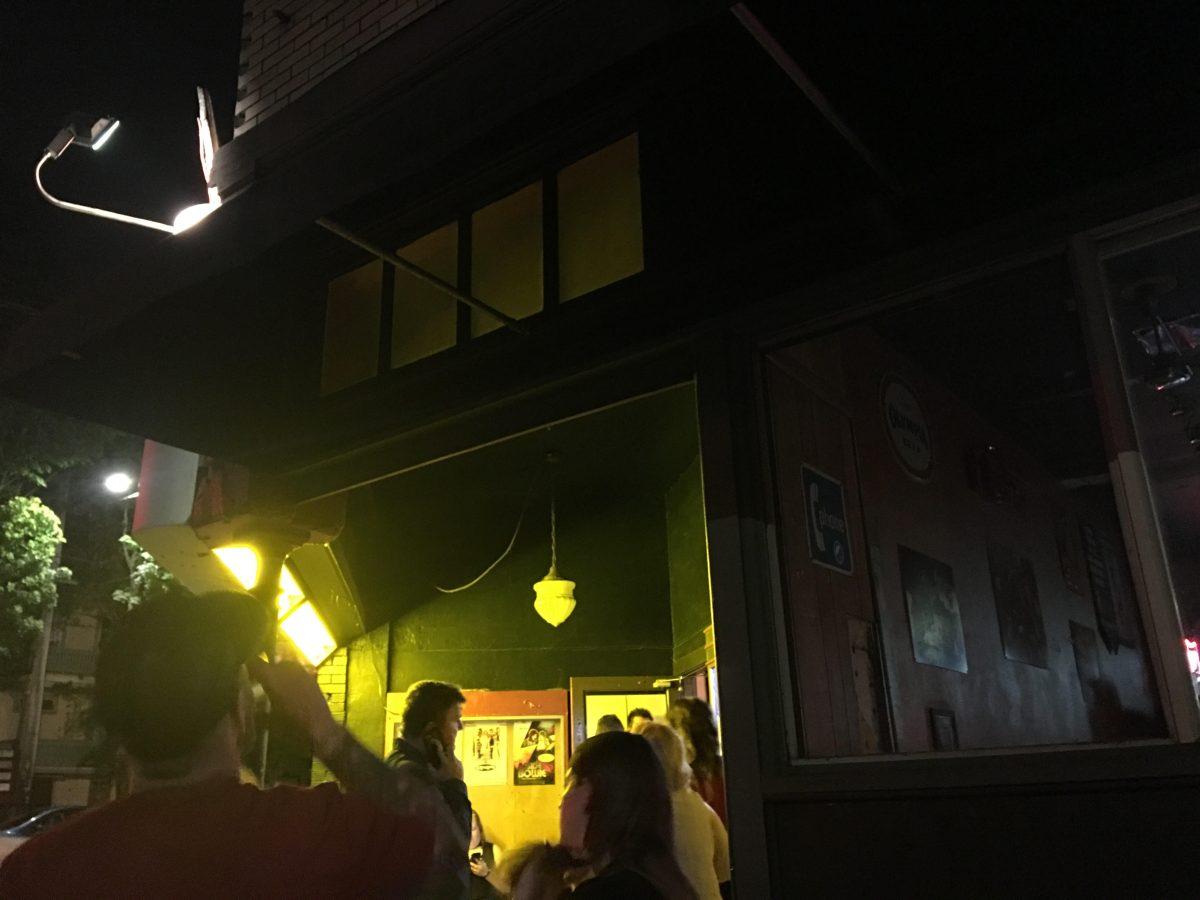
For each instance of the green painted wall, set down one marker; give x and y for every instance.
(687, 550)
(366, 668)
(490, 636)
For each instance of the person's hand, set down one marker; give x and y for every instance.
(479, 867)
(295, 691)
(449, 767)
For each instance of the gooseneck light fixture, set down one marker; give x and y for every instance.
(554, 596)
(94, 133)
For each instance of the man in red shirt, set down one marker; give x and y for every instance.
(172, 687)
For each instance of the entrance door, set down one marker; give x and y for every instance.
(829, 607)
(593, 697)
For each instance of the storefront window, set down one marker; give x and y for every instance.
(506, 257)
(425, 320)
(954, 573)
(351, 349)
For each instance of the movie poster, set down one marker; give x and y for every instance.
(483, 749)
(1014, 585)
(535, 752)
(933, 614)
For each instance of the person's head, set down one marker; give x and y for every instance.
(617, 810)
(694, 721)
(668, 747)
(608, 723)
(171, 683)
(638, 716)
(433, 709)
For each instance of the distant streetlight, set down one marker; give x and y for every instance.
(94, 132)
(118, 483)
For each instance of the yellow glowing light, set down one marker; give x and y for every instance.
(242, 562)
(307, 631)
(555, 598)
(289, 591)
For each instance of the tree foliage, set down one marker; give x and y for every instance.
(30, 534)
(34, 445)
(147, 579)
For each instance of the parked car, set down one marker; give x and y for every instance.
(22, 828)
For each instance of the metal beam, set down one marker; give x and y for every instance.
(427, 277)
(792, 69)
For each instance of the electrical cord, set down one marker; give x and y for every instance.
(507, 550)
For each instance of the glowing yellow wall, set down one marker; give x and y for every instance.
(425, 319)
(599, 219)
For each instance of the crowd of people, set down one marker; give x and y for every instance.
(642, 815)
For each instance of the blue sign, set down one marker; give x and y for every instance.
(825, 512)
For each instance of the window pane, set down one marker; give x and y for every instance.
(352, 328)
(506, 257)
(425, 319)
(599, 220)
(952, 560)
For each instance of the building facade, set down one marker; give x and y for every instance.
(846, 371)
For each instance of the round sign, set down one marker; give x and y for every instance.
(907, 429)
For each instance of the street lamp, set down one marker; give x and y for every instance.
(94, 133)
(118, 483)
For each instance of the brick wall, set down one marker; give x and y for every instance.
(331, 676)
(288, 46)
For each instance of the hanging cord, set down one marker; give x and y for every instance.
(507, 550)
(553, 534)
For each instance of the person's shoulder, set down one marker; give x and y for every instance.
(48, 850)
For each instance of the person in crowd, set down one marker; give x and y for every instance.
(638, 717)
(701, 842)
(607, 723)
(431, 721)
(538, 872)
(616, 818)
(482, 857)
(693, 719)
(173, 688)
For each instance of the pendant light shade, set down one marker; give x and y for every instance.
(554, 597)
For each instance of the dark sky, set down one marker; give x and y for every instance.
(138, 61)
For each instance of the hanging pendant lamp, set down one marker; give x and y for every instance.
(554, 597)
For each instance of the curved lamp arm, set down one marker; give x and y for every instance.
(91, 210)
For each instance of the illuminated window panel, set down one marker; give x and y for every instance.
(506, 257)
(307, 631)
(289, 591)
(352, 328)
(599, 220)
(425, 320)
(242, 562)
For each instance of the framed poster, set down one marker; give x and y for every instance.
(1087, 660)
(1018, 607)
(483, 748)
(825, 515)
(943, 729)
(534, 752)
(933, 614)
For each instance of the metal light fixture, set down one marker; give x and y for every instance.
(94, 132)
(554, 596)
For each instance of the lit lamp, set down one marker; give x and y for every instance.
(298, 618)
(554, 597)
(94, 132)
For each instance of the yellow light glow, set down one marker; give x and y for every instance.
(305, 628)
(242, 562)
(555, 598)
(289, 591)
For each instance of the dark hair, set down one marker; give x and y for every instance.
(426, 703)
(638, 712)
(170, 672)
(693, 719)
(630, 823)
(609, 722)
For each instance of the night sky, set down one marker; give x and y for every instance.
(138, 61)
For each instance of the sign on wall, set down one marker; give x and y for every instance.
(825, 512)
(907, 430)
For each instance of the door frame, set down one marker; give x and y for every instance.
(583, 685)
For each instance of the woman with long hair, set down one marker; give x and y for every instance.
(701, 842)
(694, 721)
(616, 816)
